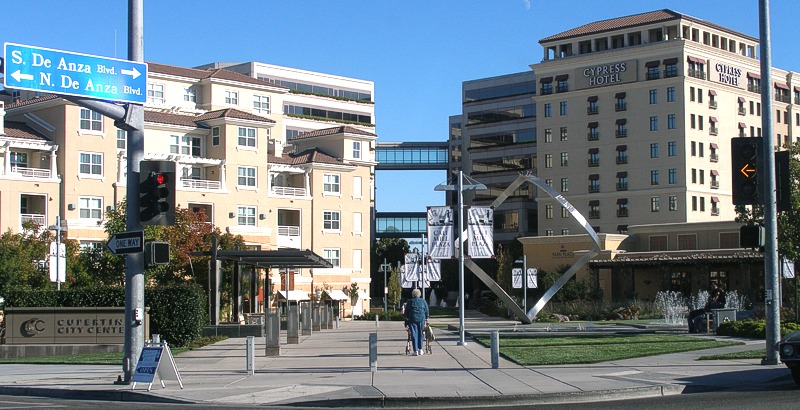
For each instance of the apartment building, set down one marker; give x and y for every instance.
(493, 141)
(226, 132)
(635, 117)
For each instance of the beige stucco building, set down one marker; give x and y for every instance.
(280, 186)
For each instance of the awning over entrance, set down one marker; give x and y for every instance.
(362, 295)
(335, 294)
(294, 295)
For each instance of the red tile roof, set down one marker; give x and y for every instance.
(333, 131)
(18, 129)
(199, 74)
(195, 120)
(633, 21)
(232, 113)
(44, 97)
(309, 156)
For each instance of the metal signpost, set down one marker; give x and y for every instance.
(82, 75)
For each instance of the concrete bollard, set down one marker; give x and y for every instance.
(495, 343)
(306, 320)
(250, 349)
(377, 321)
(373, 352)
(292, 326)
(316, 320)
(273, 334)
(336, 325)
(155, 338)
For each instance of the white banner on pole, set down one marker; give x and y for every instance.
(788, 268)
(405, 283)
(433, 270)
(480, 229)
(516, 278)
(412, 266)
(440, 232)
(58, 262)
(533, 280)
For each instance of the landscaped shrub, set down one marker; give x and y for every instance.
(394, 315)
(754, 329)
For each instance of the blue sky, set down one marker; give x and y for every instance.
(418, 52)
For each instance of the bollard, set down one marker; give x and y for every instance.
(377, 321)
(305, 318)
(337, 323)
(373, 352)
(292, 325)
(316, 320)
(156, 338)
(495, 342)
(273, 333)
(250, 348)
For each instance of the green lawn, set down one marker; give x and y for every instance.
(747, 354)
(543, 351)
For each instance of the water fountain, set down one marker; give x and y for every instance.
(673, 305)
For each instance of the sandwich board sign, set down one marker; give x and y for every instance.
(151, 364)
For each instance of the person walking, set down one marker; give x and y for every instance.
(416, 313)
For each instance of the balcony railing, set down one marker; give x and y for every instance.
(783, 98)
(594, 189)
(38, 218)
(562, 88)
(593, 136)
(289, 236)
(622, 160)
(713, 130)
(592, 110)
(754, 88)
(622, 186)
(712, 104)
(621, 133)
(693, 72)
(714, 157)
(594, 162)
(288, 230)
(655, 75)
(742, 111)
(200, 184)
(714, 184)
(288, 191)
(621, 106)
(594, 214)
(714, 211)
(28, 172)
(622, 213)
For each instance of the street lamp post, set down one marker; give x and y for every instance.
(460, 187)
(385, 268)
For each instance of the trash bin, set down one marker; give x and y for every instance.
(721, 316)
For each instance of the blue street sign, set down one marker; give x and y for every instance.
(63, 72)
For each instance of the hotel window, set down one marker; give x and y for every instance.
(331, 183)
(670, 94)
(654, 150)
(621, 104)
(547, 110)
(654, 204)
(189, 94)
(565, 232)
(622, 154)
(700, 122)
(548, 232)
(671, 121)
(622, 181)
(547, 85)
(122, 139)
(702, 177)
(246, 176)
(246, 215)
(90, 164)
(653, 97)
(594, 183)
(702, 204)
(19, 160)
(186, 145)
(594, 134)
(564, 184)
(654, 177)
(592, 108)
(673, 175)
(332, 255)
(356, 149)
(673, 203)
(91, 120)
(658, 243)
(563, 108)
(653, 72)
(548, 160)
(654, 123)
(672, 148)
(700, 95)
(548, 181)
(691, 94)
(670, 67)
(712, 99)
(247, 137)
(564, 159)
(215, 136)
(563, 136)
(155, 93)
(594, 209)
(622, 208)
(564, 213)
(548, 135)
(694, 148)
(562, 86)
(753, 83)
(261, 104)
(742, 108)
(697, 68)
(90, 207)
(231, 97)
(694, 175)
(694, 203)
(692, 121)
(687, 242)
(594, 157)
(700, 149)
(330, 221)
(622, 129)
(548, 212)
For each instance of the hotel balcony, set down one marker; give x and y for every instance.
(39, 219)
(714, 158)
(200, 184)
(289, 237)
(32, 208)
(287, 181)
(21, 161)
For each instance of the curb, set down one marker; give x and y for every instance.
(80, 394)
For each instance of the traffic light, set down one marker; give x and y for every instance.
(157, 193)
(751, 236)
(745, 170)
(156, 253)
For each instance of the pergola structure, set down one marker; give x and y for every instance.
(278, 259)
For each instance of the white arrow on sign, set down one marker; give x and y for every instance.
(126, 242)
(134, 73)
(18, 76)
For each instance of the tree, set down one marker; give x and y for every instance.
(353, 293)
(393, 250)
(394, 288)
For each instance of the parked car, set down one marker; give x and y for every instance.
(790, 354)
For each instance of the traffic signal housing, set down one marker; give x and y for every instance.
(156, 253)
(157, 193)
(745, 152)
(751, 236)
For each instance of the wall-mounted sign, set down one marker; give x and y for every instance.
(601, 75)
(727, 74)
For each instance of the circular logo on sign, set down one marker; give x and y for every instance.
(31, 327)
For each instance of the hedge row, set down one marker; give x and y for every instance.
(177, 312)
(755, 329)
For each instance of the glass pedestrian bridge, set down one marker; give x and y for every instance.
(400, 224)
(411, 156)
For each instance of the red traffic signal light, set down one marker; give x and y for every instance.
(157, 193)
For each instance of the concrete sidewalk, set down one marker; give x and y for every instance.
(331, 368)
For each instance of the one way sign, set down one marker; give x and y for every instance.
(126, 242)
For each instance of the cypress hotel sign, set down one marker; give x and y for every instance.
(607, 74)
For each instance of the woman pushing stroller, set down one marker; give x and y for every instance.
(416, 314)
